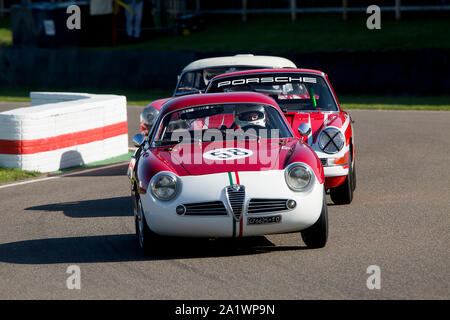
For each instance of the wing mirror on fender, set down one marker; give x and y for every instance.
(138, 140)
(304, 130)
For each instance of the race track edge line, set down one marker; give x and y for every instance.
(62, 175)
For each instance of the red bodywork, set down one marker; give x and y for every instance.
(317, 119)
(284, 151)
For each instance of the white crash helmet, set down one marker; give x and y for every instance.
(208, 75)
(148, 116)
(245, 115)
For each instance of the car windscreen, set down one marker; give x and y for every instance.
(292, 92)
(194, 81)
(221, 121)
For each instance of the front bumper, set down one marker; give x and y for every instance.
(163, 219)
(335, 171)
(334, 165)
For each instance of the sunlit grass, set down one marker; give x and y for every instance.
(142, 98)
(8, 175)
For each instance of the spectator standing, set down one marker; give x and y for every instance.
(133, 20)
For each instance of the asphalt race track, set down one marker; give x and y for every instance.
(399, 220)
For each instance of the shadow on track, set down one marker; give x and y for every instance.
(124, 247)
(97, 171)
(119, 170)
(111, 207)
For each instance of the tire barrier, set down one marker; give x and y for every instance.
(61, 130)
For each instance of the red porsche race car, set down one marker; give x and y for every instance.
(226, 165)
(310, 105)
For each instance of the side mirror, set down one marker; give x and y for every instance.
(304, 129)
(138, 140)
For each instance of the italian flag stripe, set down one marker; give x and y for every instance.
(230, 177)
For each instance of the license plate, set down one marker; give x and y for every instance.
(264, 220)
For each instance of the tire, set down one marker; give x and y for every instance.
(354, 176)
(147, 239)
(316, 236)
(344, 193)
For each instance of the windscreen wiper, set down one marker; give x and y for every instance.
(163, 143)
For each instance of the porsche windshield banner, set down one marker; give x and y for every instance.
(276, 80)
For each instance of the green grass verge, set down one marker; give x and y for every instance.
(134, 97)
(123, 157)
(14, 94)
(142, 98)
(395, 103)
(9, 175)
(373, 102)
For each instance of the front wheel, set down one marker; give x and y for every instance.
(146, 238)
(316, 236)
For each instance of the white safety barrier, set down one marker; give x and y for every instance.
(62, 130)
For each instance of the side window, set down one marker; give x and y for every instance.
(186, 81)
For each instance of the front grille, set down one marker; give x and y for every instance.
(214, 208)
(324, 161)
(236, 197)
(267, 205)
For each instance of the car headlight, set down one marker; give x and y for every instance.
(298, 176)
(164, 185)
(331, 140)
(148, 116)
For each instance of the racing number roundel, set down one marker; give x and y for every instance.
(227, 154)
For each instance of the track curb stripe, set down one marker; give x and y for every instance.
(21, 147)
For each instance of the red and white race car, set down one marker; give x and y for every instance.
(226, 165)
(195, 77)
(310, 105)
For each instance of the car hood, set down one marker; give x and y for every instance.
(157, 104)
(317, 120)
(216, 157)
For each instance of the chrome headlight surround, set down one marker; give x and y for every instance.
(164, 180)
(331, 140)
(299, 176)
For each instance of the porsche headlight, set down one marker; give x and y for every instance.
(164, 186)
(298, 176)
(331, 140)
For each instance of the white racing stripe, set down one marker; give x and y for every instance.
(311, 133)
(345, 125)
(63, 175)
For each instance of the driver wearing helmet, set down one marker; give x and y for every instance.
(249, 116)
(208, 75)
(147, 117)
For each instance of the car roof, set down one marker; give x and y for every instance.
(217, 98)
(286, 70)
(247, 60)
